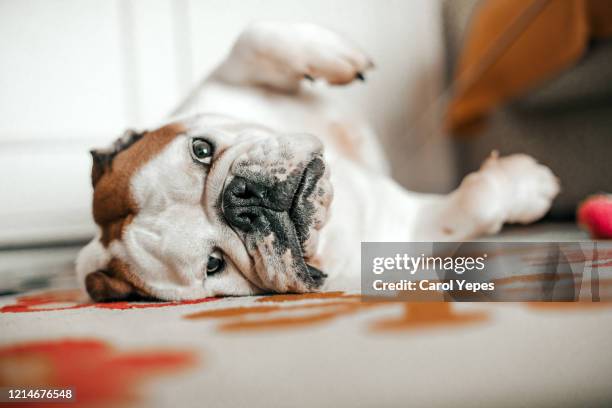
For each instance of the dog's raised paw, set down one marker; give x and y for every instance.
(528, 187)
(308, 51)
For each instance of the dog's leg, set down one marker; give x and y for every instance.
(512, 189)
(280, 55)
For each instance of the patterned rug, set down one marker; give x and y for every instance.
(330, 349)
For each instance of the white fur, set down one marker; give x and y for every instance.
(91, 258)
(261, 82)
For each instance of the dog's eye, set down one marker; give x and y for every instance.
(215, 263)
(201, 150)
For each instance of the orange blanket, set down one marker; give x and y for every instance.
(512, 45)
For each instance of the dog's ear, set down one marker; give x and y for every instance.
(101, 162)
(103, 287)
(103, 158)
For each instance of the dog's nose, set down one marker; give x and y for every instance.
(246, 190)
(244, 203)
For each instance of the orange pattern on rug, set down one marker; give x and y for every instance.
(287, 312)
(97, 372)
(73, 299)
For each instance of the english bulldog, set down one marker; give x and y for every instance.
(259, 184)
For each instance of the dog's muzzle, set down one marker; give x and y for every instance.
(261, 208)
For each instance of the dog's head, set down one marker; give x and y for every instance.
(206, 206)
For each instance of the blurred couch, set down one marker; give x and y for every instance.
(566, 123)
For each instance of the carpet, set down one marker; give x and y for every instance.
(329, 349)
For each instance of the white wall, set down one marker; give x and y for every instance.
(75, 73)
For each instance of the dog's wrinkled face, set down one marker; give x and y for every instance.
(205, 207)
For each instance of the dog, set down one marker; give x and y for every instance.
(258, 185)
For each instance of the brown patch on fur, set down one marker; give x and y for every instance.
(113, 283)
(113, 204)
(101, 287)
(97, 171)
(347, 144)
(447, 231)
(114, 208)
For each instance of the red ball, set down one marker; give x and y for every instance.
(595, 214)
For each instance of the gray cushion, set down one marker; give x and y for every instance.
(566, 123)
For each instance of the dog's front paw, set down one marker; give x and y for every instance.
(321, 53)
(528, 187)
(309, 51)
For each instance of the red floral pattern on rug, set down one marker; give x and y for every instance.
(73, 299)
(98, 373)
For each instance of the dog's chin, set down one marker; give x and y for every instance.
(283, 253)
